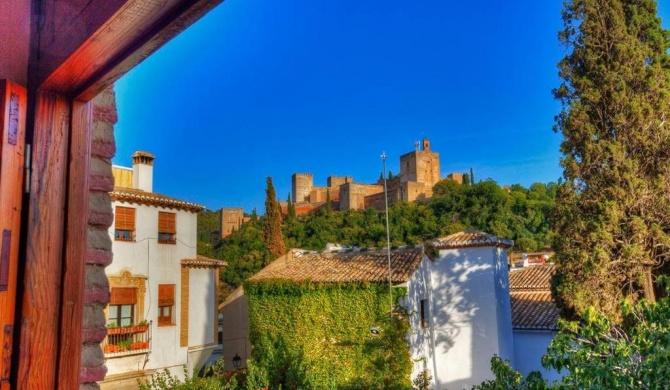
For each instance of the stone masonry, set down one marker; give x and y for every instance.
(99, 253)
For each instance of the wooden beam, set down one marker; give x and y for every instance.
(44, 250)
(118, 42)
(13, 106)
(69, 360)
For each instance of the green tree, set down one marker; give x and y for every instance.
(472, 176)
(272, 233)
(466, 179)
(290, 208)
(612, 222)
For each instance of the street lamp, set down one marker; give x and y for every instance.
(237, 361)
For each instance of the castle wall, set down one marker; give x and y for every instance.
(457, 177)
(352, 195)
(420, 166)
(301, 185)
(337, 181)
(230, 219)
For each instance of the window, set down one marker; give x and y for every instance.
(424, 313)
(165, 304)
(122, 306)
(124, 224)
(167, 229)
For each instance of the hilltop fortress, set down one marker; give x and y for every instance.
(419, 172)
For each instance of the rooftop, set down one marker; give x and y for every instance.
(203, 262)
(470, 239)
(131, 195)
(343, 266)
(532, 305)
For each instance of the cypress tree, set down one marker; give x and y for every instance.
(612, 218)
(272, 234)
(290, 207)
(472, 176)
(466, 180)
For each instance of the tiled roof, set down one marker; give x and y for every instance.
(203, 262)
(131, 195)
(342, 267)
(532, 305)
(471, 238)
(535, 278)
(534, 311)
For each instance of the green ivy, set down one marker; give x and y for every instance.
(317, 336)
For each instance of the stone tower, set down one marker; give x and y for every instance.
(301, 184)
(422, 166)
(231, 219)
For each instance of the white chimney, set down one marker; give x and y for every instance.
(143, 171)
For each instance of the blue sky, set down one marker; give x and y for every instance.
(263, 88)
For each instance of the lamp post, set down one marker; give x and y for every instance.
(388, 233)
(237, 361)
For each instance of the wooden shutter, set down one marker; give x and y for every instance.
(166, 222)
(124, 218)
(165, 294)
(123, 296)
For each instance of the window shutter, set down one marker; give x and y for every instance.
(165, 294)
(166, 222)
(123, 296)
(124, 218)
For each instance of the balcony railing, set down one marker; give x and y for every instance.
(127, 340)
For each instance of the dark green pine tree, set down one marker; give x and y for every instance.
(612, 218)
(254, 216)
(272, 234)
(466, 180)
(472, 177)
(290, 208)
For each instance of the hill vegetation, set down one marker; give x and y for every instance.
(519, 213)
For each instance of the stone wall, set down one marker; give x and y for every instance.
(352, 195)
(301, 185)
(230, 219)
(99, 254)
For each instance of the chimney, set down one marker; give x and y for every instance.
(143, 171)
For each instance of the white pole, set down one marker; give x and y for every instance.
(388, 233)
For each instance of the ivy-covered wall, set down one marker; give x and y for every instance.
(317, 336)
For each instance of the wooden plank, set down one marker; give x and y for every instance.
(135, 30)
(13, 106)
(39, 334)
(74, 270)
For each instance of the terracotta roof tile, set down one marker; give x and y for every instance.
(471, 238)
(203, 262)
(131, 195)
(343, 267)
(534, 311)
(535, 278)
(532, 305)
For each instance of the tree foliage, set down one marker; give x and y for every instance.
(272, 234)
(612, 222)
(596, 352)
(519, 213)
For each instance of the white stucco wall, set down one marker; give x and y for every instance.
(529, 347)
(469, 316)
(160, 264)
(202, 298)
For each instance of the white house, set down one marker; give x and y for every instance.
(158, 283)
(463, 297)
(462, 312)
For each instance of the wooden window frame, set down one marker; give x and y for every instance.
(167, 228)
(122, 225)
(69, 64)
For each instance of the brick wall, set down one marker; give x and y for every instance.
(99, 254)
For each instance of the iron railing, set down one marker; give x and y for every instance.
(127, 340)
